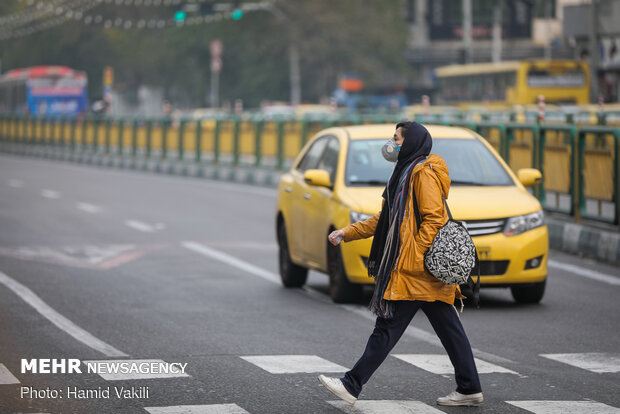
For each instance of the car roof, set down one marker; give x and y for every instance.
(387, 131)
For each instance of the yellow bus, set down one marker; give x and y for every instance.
(515, 83)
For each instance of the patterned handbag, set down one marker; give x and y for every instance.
(452, 256)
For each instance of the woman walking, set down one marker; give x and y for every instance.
(402, 284)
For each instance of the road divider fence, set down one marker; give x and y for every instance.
(580, 164)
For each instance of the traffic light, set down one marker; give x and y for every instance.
(180, 16)
(237, 13)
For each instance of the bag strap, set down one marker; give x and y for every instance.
(475, 287)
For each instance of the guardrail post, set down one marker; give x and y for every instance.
(304, 132)
(71, 134)
(540, 159)
(44, 131)
(216, 141)
(95, 121)
(134, 139)
(580, 199)
(198, 146)
(236, 151)
(83, 135)
(258, 153)
(121, 135)
(165, 126)
(181, 134)
(149, 136)
(108, 128)
(280, 165)
(617, 174)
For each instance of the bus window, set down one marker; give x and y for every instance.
(546, 78)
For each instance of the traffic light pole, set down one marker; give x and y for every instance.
(293, 51)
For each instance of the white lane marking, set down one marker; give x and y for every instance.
(57, 319)
(563, 407)
(51, 194)
(108, 374)
(293, 364)
(440, 364)
(89, 208)
(12, 182)
(411, 331)
(592, 361)
(240, 245)
(198, 409)
(144, 227)
(6, 377)
(199, 184)
(384, 406)
(232, 261)
(583, 272)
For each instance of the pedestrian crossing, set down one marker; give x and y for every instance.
(594, 361)
(440, 364)
(312, 364)
(294, 364)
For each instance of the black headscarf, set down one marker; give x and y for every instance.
(416, 147)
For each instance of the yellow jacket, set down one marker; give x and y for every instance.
(410, 280)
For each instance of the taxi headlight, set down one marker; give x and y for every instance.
(520, 224)
(356, 216)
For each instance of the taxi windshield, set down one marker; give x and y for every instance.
(366, 167)
(469, 162)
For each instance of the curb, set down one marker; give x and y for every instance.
(242, 174)
(584, 240)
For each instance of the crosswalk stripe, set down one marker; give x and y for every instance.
(293, 364)
(592, 361)
(89, 208)
(198, 409)
(563, 407)
(108, 374)
(51, 194)
(440, 364)
(6, 377)
(384, 406)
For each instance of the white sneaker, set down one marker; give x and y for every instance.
(335, 386)
(456, 398)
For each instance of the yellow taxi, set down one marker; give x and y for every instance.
(339, 176)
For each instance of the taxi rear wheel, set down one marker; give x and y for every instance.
(529, 294)
(340, 289)
(292, 275)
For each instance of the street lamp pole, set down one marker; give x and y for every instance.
(293, 54)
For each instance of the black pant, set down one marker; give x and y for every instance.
(387, 332)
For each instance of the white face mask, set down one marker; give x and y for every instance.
(390, 150)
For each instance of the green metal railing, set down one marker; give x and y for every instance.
(519, 144)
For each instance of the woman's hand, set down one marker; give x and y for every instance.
(336, 237)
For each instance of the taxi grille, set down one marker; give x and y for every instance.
(484, 227)
(491, 268)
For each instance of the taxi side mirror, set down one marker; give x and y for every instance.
(529, 176)
(319, 178)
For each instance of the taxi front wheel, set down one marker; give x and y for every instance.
(292, 275)
(529, 294)
(340, 289)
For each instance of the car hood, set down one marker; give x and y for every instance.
(466, 203)
(480, 203)
(365, 200)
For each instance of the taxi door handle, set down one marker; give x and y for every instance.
(288, 189)
(307, 196)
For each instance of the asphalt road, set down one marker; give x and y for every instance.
(101, 265)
